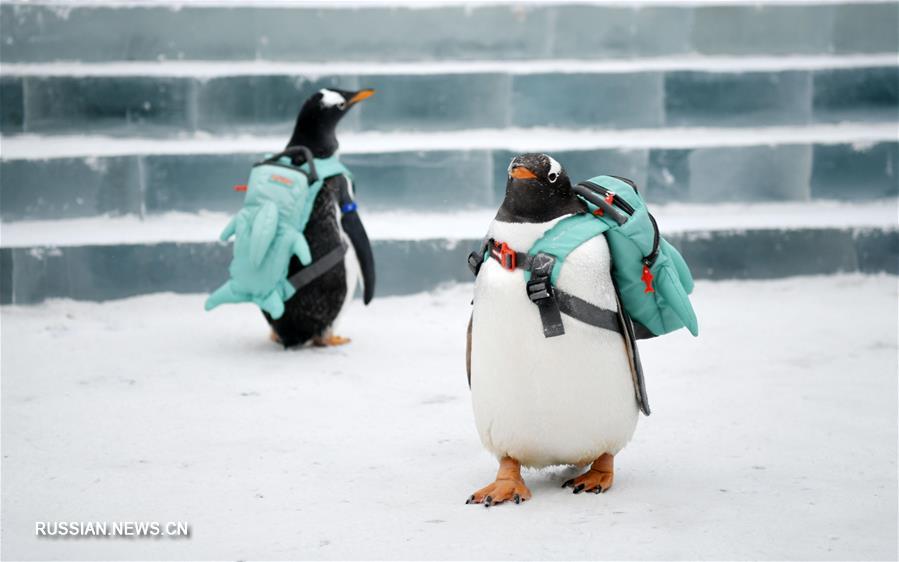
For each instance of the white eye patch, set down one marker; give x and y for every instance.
(330, 98)
(554, 169)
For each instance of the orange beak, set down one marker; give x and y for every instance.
(361, 95)
(522, 173)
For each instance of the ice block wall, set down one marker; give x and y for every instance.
(763, 134)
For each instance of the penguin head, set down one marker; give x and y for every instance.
(537, 190)
(327, 106)
(319, 116)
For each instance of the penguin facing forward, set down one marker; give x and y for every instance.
(542, 401)
(312, 312)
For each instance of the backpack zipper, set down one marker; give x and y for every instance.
(280, 165)
(616, 200)
(627, 208)
(651, 258)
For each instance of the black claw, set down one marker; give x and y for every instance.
(488, 501)
(598, 490)
(568, 483)
(579, 488)
(517, 498)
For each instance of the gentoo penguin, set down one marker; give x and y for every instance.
(312, 312)
(538, 401)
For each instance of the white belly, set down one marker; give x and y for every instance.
(547, 401)
(353, 273)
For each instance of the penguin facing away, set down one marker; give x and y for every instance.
(311, 314)
(542, 401)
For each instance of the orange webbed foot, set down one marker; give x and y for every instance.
(330, 341)
(590, 481)
(500, 491)
(597, 480)
(508, 487)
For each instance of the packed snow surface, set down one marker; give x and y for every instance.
(773, 435)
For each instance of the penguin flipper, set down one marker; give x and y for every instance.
(224, 295)
(265, 226)
(468, 350)
(352, 225)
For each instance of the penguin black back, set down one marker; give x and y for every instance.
(537, 190)
(311, 311)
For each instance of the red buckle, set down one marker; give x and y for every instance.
(505, 256)
(610, 199)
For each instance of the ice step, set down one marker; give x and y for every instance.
(264, 98)
(51, 147)
(453, 171)
(31, 274)
(91, 31)
(452, 226)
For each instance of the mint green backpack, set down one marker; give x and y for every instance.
(651, 277)
(268, 230)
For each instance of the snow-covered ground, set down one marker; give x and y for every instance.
(774, 435)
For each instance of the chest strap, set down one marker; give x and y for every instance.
(317, 268)
(551, 301)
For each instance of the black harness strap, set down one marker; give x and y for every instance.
(550, 301)
(317, 268)
(506, 257)
(476, 258)
(588, 313)
(543, 294)
(630, 343)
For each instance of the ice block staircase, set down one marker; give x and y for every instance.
(764, 134)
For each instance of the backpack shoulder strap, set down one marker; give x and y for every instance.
(324, 168)
(329, 167)
(547, 257)
(563, 238)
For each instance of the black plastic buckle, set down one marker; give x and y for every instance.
(541, 293)
(539, 287)
(475, 259)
